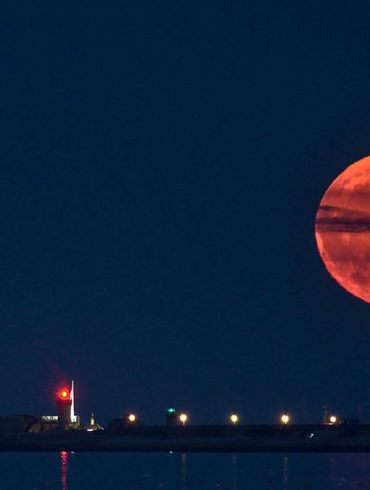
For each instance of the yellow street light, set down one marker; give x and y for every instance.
(131, 417)
(285, 419)
(234, 419)
(183, 418)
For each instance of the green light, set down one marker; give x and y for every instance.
(171, 410)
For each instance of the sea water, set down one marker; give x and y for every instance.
(66, 471)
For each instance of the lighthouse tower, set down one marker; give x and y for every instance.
(65, 404)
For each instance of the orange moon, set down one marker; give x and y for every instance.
(342, 229)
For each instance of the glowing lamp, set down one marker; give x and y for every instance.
(234, 419)
(333, 419)
(285, 419)
(131, 417)
(183, 418)
(64, 394)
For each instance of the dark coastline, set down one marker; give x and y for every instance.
(222, 439)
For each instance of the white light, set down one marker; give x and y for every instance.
(183, 418)
(333, 419)
(285, 419)
(234, 419)
(132, 417)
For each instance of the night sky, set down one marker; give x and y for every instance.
(161, 168)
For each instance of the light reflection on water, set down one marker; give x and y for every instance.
(184, 476)
(285, 473)
(66, 471)
(234, 472)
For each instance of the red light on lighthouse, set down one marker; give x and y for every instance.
(64, 394)
(64, 401)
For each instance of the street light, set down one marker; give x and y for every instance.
(132, 417)
(183, 418)
(234, 419)
(285, 419)
(333, 419)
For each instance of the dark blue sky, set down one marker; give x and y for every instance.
(161, 167)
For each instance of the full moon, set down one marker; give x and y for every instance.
(342, 229)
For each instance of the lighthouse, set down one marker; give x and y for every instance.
(64, 404)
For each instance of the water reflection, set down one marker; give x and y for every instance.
(216, 471)
(285, 473)
(64, 470)
(207, 479)
(332, 464)
(350, 471)
(234, 472)
(184, 476)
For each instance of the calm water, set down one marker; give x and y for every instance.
(184, 472)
